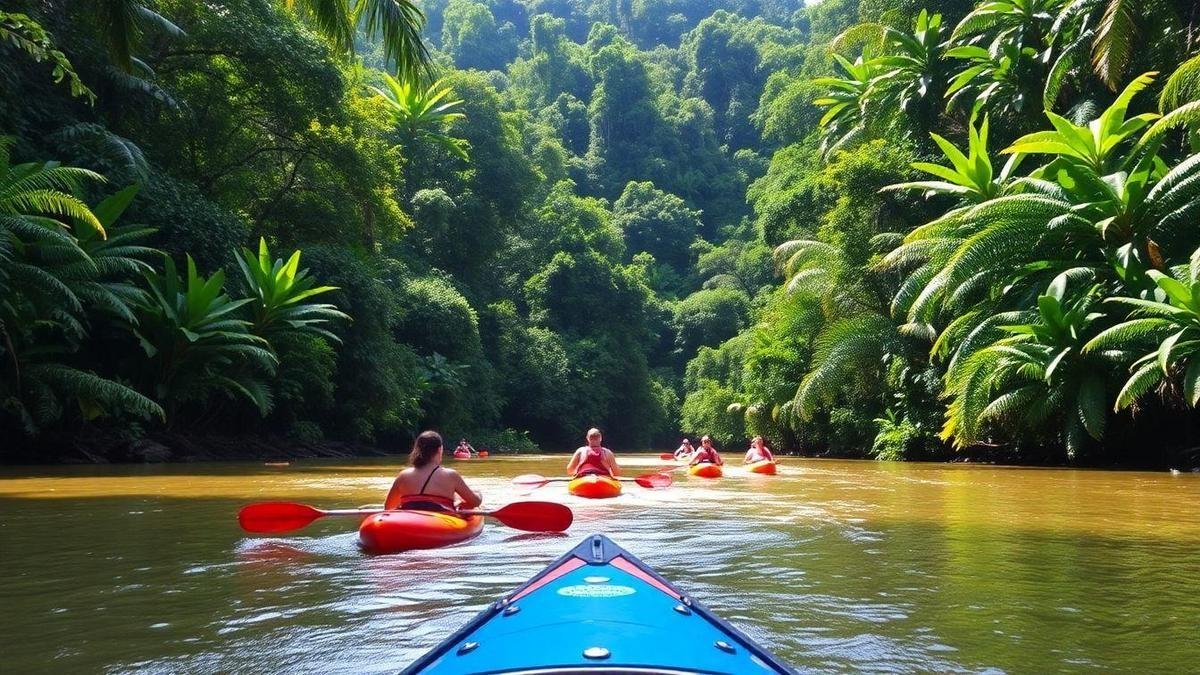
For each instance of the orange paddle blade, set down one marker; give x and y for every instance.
(276, 516)
(532, 516)
(654, 480)
(666, 455)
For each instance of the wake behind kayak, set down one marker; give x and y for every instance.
(597, 609)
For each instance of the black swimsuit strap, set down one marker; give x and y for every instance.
(429, 478)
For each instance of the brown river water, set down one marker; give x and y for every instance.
(835, 566)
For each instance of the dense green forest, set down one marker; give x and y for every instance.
(858, 228)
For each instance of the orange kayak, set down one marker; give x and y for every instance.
(462, 455)
(762, 466)
(706, 470)
(404, 530)
(594, 486)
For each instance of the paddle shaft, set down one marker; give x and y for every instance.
(351, 512)
(287, 516)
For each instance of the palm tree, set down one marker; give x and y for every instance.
(924, 253)
(397, 22)
(849, 108)
(848, 353)
(1162, 333)
(914, 71)
(56, 265)
(1005, 80)
(279, 291)
(1092, 145)
(105, 284)
(196, 343)
(1105, 201)
(420, 113)
(1035, 377)
(969, 177)
(1182, 87)
(1114, 33)
(811, 267)
(123, 24)
(1024, 23)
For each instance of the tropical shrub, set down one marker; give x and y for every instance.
(63, 266)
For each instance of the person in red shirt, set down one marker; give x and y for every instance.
(593, 458)
(707, 453)
(758, 451)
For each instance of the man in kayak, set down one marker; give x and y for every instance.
(707, 453)
(427, 485)
(464, 446)
(593, 458)
(685, 450)
(758, 451)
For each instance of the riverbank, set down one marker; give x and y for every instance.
(180, 448)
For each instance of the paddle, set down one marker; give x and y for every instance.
(288, 516)
(666, 455)
(646, 480)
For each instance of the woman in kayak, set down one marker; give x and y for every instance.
(427, 485)
(707, 453)
(685, 450)
(593, 458)
(758, 451)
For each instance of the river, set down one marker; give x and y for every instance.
(835, 566)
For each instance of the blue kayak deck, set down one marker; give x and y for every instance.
(598, 608)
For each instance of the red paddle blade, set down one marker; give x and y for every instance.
(276, 516)
(530, 479)
(666, 455)
(654, 480)
(535, 516)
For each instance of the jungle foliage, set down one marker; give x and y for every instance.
(986, 225)
(857, 228)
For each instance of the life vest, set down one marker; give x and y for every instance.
(593, 462)
(704, 455)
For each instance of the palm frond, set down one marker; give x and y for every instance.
(1182, 87)
(845, 351)
(1140, 382)
(84, 384)
(1113, 46)
(399, 24)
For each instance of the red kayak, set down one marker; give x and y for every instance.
(706, 470)
(462, 455)
(594, 486)
(765, 466)
(394, 531)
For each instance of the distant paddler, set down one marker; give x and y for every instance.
(685, 450)
(758, 452)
